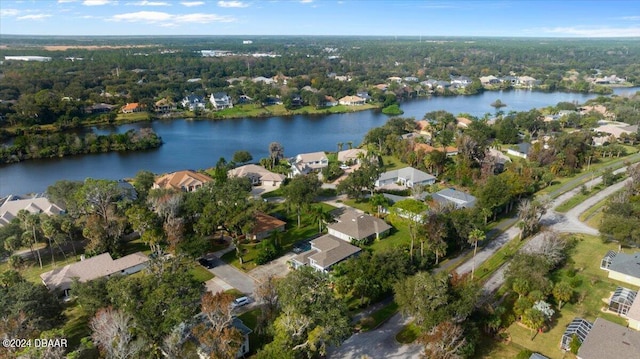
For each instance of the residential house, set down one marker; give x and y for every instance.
(617, 131)
(266, 81)
(309, 89)
(281, 79)
(237, 323)
(132, 107)
(381, 87)
(351, 155)
(296, 100)
(305, 163)
(329, 101)
(610, 340)
(463, 122)
(405, 177)
(12, 205)
(352, 101)
(164, 105)
(461, 80)
(395, 79)
(411, 79)
(265, 225)
(220, 100)
(364, 94)
(242, 99)
(270, 101)
(622, 267)
(453, 197)
(537, 356)
(448, 150)
(601, 109)
(187, 181)
(326, 251)
(633, 315)
(520, 150)
(489, 80)
(498, 158)
(527, 81)
(93, 268)
(511, 80)
(352, 225)
(99, 108)
(193, 102)
(258, 175)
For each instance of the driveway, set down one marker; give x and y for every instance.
(276, 268)
(233, 276)
(379, 343)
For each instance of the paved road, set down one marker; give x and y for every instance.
(568, 223)
(378, 344)
(233, 276)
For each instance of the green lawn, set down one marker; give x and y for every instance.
(290, 236)
(200, 273)
(31, 269)
(408, 334)
(76, 326)
(391, 162)
(378, 317)
(253, 110)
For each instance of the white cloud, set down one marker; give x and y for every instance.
(594, 32)
(306, 1)
(169, 20)
(232, 4)
(96, 2)
(34, 17)
(192, 3)
(149, 3)
(143, 16)
(66, 1)
(630, 18)
(9, 12)
(203, 18)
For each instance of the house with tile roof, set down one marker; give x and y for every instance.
(351, 155)
(326, 251)
(622, 267)
(258, 175)
(93, 268)
(187, 181)
(132, 107)
(352, 101)
(164, 105)
(351, 225)
(405, 177)
(610, 340)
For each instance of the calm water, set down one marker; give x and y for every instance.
(192, 144)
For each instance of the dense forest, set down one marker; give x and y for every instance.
(87, 71)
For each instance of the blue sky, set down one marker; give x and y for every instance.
(559, 18)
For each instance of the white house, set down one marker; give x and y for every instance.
(406, 177)
(521, 150)
(258, 175)
(352, 101)
(304, 163)
(622, 267)
(354, 226)
(220, 100)
(193, 102)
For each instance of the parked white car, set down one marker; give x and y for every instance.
(239, 302)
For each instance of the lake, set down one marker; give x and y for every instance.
(196, 144)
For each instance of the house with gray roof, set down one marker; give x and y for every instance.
(453, 197)
(305, 163)
(13, 204)
(326, 251)
(352, 226)
(520, 150)
(93, 268)
(610, 340)
(622, 267)
(193, 102)
(405, 177)
(220, 100)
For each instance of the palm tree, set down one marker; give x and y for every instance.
(30, 223)
(321, 216)
(475, 236)
(340, 145)
(350, 144)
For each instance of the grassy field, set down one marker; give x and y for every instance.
(253, 110)
(408, 334)
(256, 340)
(200, 273)
(293, 234)
(591, 288)
(378, 317)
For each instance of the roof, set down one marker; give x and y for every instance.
(450, 195)
(616, 130)
(578, 326)
(10, 209)
(610, 340)
(350, 154)
(463, 121)
(256, 171)
(130, 106)
(358, 225)
(352, 99)
(628, 264)
(331, 250)
(499, 156)
(164, 102)
(239, 324)
(409, 173)
(623, 295)
(312, 157)
(428, 148)
(634, 310)
(265, 223)
(537, 356)
(182, 179)
(92, 268)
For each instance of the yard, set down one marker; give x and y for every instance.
(590, 285)
(292, 234)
